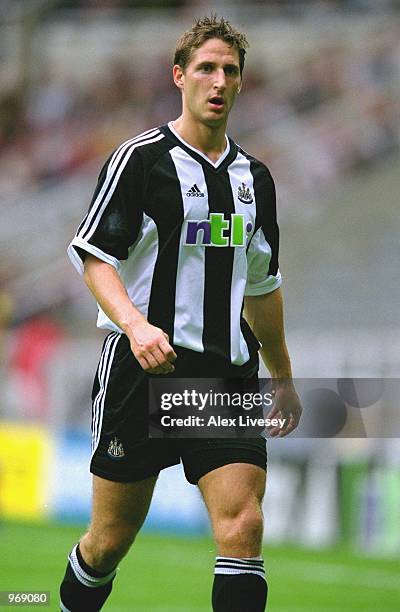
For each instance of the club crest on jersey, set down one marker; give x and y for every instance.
(115, 449)
(244, 194)
(218, 231)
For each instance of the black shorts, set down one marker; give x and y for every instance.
(121, 448)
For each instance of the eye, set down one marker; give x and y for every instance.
(231, 70)
(206, 67)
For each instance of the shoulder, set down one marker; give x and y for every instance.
(149, 142)
(256, 164)
(258, 168)
(139, 150)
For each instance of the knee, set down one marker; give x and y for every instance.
(240, 534)
(104, 551)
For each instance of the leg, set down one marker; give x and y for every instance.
(233, 495)
(119, 510)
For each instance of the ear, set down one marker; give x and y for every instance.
(178, 76)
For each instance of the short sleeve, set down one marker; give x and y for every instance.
(263, 275)
(113, 221)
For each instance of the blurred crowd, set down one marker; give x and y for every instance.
(335, 110)
(190, 4)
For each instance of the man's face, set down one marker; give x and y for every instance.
(210, 82)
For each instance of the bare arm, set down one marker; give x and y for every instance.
(149, 344)
(264, 314)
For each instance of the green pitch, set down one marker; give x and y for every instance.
(171, 574)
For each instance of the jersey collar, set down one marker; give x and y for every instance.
(228, 154)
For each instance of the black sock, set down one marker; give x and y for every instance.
(239, 585)
(83, 588)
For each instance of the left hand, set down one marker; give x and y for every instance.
(286, 406)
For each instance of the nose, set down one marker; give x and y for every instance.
(220, 80)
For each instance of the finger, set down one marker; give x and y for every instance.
(157, 370)
(162, 361)
(162, 369)
(273, 412)
(142, 356)
(144, 364)
(294, 423)
(148, 358)
(166, 369)
(288, 429)
(276, 430)
(168, 350)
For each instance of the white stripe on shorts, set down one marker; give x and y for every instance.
(106, 360)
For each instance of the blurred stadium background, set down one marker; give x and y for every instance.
(320, 105)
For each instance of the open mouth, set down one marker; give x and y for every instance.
(217, 101)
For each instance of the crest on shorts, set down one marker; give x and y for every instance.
(244, 194)
(115, 449)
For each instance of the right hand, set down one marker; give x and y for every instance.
(152, 349)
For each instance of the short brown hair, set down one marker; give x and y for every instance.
(204, 29)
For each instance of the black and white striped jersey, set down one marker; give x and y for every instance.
(189, 237)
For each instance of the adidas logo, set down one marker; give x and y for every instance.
(194, 192)
(244, 194)
(115, 449)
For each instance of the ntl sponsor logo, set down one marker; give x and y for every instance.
(218, 231)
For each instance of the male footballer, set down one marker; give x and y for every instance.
(180, 250)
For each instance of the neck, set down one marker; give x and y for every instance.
(209, 140)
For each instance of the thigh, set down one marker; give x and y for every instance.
(228, 490)
(233, 495)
